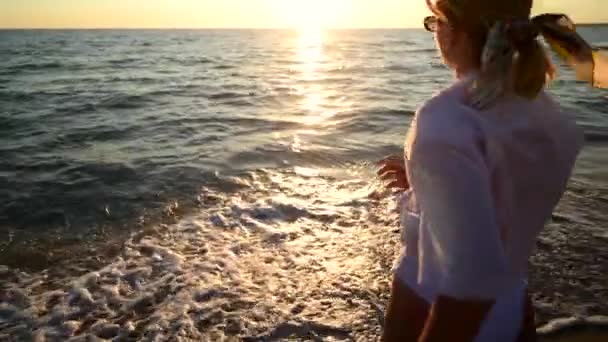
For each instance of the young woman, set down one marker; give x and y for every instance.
(486, 162)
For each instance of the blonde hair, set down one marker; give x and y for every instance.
(532, 67)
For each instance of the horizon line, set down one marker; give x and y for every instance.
(240, 28)
(206, 28)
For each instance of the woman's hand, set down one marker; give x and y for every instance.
(392, 169)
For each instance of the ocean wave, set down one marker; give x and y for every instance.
(18, 96)
(596, 137)
(203, 60)
(132, 79)
(428, 50)
(327, 80)
(11, 95)
(123, 61)
(574, 329)
(360, 126)
(354, 69)
(400, 67)
(188, 60)
(390, 112)
(377, 113)
(259, 157)
(125, 101)
(223, 66)
(234, 125)
(71, 81)
(94, 135)
(239, 103)
(107, 173)
(227, 95)
(32, 66)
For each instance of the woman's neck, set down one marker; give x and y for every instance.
(464, 72)
(464, 67)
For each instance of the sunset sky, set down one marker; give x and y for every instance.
(245, 13)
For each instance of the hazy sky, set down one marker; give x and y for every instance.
(245, 13)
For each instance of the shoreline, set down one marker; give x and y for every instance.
(270, 275)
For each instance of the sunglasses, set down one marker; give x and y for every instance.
(431, 23)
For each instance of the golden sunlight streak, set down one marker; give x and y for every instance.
(310, 51)
(310, 55)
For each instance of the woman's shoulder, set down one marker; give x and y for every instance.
(454, 94)
(446, 119)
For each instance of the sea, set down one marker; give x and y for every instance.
(220, 185)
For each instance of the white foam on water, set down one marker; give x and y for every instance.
(290, 257)
(264, 263)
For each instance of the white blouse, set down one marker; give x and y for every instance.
(483, 184)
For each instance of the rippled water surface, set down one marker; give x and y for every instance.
(204, 184)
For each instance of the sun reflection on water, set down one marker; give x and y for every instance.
(310, 56)
(318, 104)
(310, 52)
